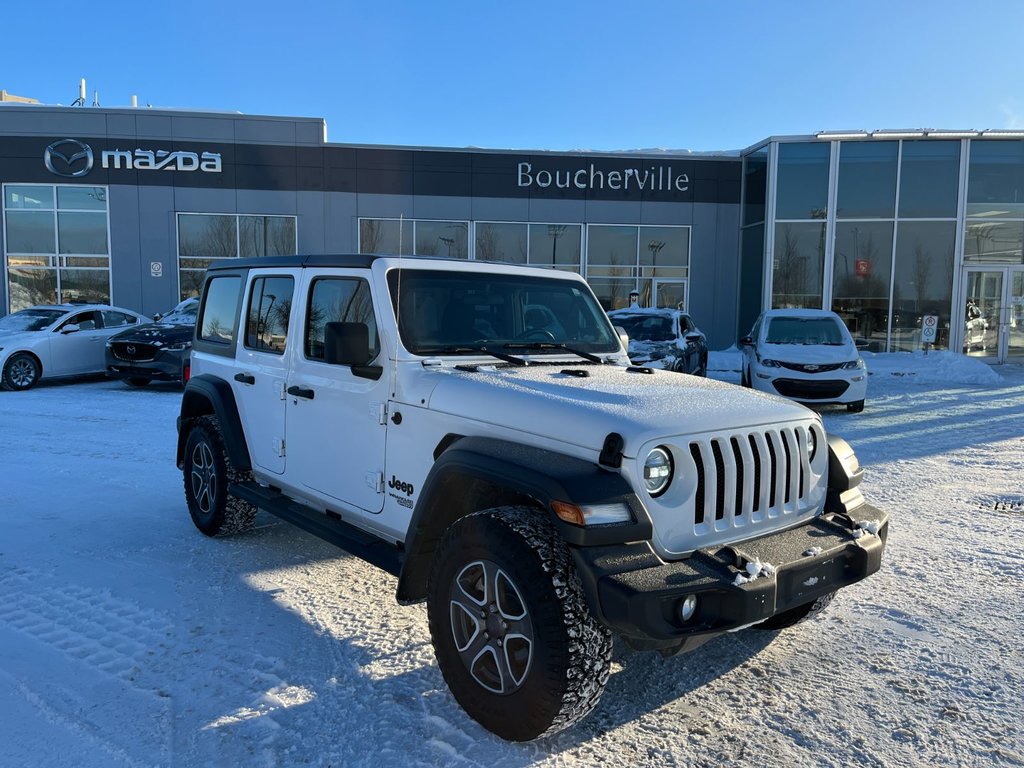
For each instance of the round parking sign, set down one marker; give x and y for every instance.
(929, 324)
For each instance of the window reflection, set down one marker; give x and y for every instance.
(797, 270)
(995, 186)
(923, 280)
(929, 179)
(867, 179)
(556, 245)
(501, 241)
(860, 281)
(801, 191)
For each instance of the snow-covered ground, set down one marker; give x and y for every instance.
(127, 638)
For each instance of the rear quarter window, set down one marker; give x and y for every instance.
(219, 314)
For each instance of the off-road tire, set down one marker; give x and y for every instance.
(207, 471)
(793, 616)
(855, 407)
(571, 652)
(21, 372)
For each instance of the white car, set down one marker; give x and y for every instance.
(807, 355)
(50, 341)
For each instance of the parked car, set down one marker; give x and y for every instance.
(50, 341)
(155, 351)
(804, 354)
(663, 338)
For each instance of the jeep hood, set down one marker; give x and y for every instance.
(544, 400)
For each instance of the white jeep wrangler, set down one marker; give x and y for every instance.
(477, 430)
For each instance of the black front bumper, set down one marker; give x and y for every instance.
(637, 594)
(166, 366)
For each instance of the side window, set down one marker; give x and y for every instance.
(266, 321)
(334, 300)
(220, 309)
(113, 319)
(86, 321)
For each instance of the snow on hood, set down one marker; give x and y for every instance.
(544, 401)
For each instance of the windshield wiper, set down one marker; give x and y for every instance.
(481, 349)
(548, 345)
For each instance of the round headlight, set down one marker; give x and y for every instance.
(812, 444)
(657, 471)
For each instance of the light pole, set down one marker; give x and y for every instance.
(449, 241)
(555, 231)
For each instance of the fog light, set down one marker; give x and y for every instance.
(688, 607)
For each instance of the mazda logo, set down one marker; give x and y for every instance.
(130, 349)
(62, 156)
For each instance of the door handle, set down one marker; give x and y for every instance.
(245, 378)
(301, 392)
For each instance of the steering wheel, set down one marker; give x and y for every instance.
(536, 334)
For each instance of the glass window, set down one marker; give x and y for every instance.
(281, 235)
(867, 179)
(803, 330)
(556, 245)
(28, 196)
(994, 242)
(613, 293)
(270, 304)
(266, 236)
(78, 198)
(501, 241)
(755, 185)
(613, 246)
(664, 246)
(442, 238)
(112, 319)
(386, 236)
(995, 187)
(801, 191)
(751, 274)
(90, 286)
(82, 232)
(30, 232)
(929, 179)
(207, 235)
(797, 268)
(860, 281)
(338, 300)
(29, 287)
(923, 280)
(220, 310)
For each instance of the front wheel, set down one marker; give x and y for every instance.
(207, 473)
(512, 633)
(20, 372)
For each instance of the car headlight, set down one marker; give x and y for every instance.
(658, 471)
(812, 443)
(179, 347)
(854, 365)
(769, 363)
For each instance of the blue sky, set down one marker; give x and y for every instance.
(524, 74)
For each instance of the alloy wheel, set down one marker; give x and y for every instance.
(204, 478)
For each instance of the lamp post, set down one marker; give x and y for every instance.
(555, 231)
(449, 241)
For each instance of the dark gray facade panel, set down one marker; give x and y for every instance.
(557, 211)
(311, 133)
(193, 200)
(202, 129)
(666, 214)
(126, 257)
(270, 131)
(121, 125)
(312, 225)
(500, 209)
(607, 212)
(158, 242)
(384, 206)
(726, 287)
(342, 230)
(265, 202)
(151, 126)
(451, 208)
(44, 122)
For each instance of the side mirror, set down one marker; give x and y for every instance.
(623, 336)
(157, 316)
(693, 338)
(746, 341)
(349, 344)
(70, 328)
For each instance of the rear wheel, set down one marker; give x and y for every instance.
(20, 372)
(512, 633)
(207, 473)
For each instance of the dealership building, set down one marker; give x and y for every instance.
(912, 237)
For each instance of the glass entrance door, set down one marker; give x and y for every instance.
(994, 314)
(670, 294)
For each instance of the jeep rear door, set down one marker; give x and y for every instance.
(259, 381)
(335, 422)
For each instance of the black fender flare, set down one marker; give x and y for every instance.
(207, 395)
(477, 473)
(844, 476)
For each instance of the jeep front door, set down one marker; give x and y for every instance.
(336, 424)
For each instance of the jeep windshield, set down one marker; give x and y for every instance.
(465, 313)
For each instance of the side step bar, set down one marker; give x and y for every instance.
(363, 545)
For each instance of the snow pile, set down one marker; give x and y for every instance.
(754, 570)
(937, 367)
(730, 359)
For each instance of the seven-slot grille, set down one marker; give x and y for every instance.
(133, 351)
(746, 479)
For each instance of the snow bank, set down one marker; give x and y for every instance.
(937, 367)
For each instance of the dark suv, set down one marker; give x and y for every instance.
(155, 351)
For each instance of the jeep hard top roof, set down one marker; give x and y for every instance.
(349, 260)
